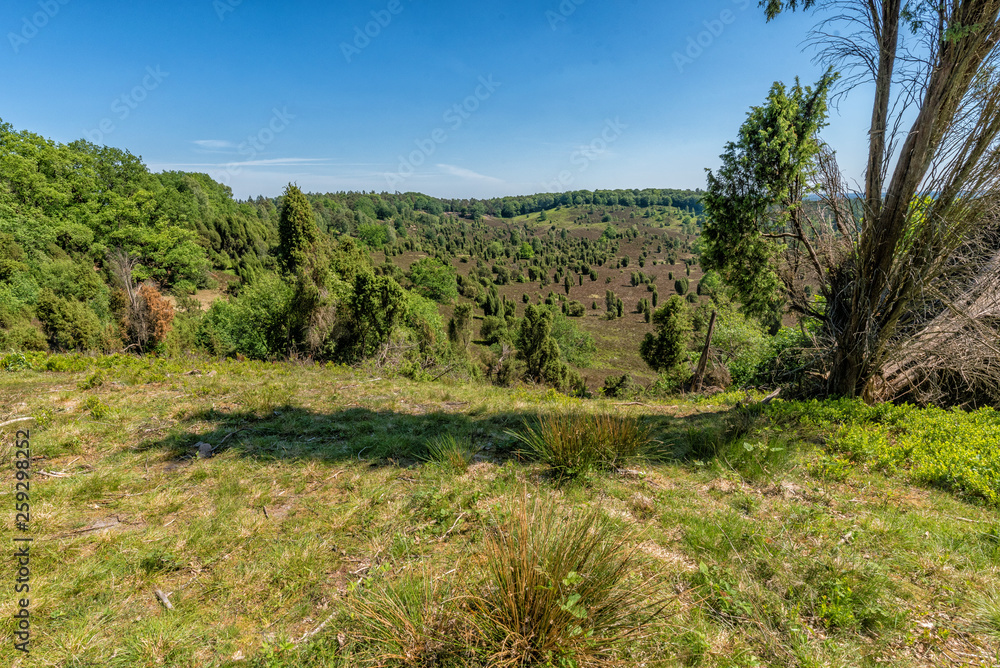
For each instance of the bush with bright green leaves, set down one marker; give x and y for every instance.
(373, 235)
(68, 324)
(433, 279)
(576, 345)
(424, 325)
(951, 449)
(253, 325)
(742, 343)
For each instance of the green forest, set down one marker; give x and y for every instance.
(101, 255)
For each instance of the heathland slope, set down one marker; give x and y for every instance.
(346, 517)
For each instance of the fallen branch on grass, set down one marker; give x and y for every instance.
(164, 598)
(15, 421)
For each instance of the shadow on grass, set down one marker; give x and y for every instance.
(698, 436)
(380, 436)
(385, 437)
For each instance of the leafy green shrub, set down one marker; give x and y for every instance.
(14, 362)
(64, 363)
(254, 325)
(68, 324)
(557, 589)
(951, 449)
(576, 346)
(98, 409)
(373, 235)
(434, 280)
(742, 344)
(16, 330)
(616, 386)
(423, 322)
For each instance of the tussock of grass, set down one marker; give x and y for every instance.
(451, 452)
(574, 444)
(414, 622)
(560, 588)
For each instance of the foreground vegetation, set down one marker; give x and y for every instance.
(345, 518)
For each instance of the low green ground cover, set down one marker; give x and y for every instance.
(952, 449)
(351, 519)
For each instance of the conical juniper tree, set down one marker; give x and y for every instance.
(538, 349)
(303, 255)
(668, 346)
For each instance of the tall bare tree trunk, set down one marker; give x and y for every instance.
(878, 289)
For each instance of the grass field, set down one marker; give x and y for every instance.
(350, 519)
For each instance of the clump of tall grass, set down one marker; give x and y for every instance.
(574, 444)
(414, 622)
(560, 589)
(450, 452)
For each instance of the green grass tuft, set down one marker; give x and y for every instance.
(560, 588)
(450, 452)
(575, 444)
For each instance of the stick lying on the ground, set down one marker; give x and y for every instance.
(163, 598)
(15, 421)
(774, 395)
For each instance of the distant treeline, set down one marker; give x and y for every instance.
(387, 205)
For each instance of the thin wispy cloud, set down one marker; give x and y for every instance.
(467, 174)
(281, 162)
(214, 144)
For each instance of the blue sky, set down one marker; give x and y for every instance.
(453, 99)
